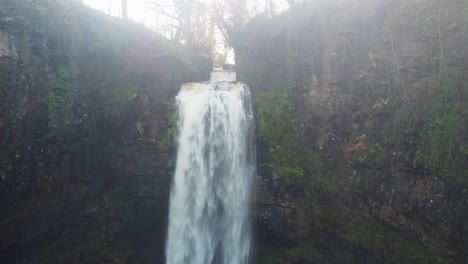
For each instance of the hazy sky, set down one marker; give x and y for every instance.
(141, 11)
(138, 10)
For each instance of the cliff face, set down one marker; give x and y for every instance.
(86, 125)
(362, 125)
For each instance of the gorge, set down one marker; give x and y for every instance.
(358, 152)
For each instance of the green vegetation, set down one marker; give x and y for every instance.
(278, 126)
(374, 113)
(445, 128)
(167, 141)
(368, 233)
(63, 90)
(305, 249)
(271, 260)
(445, 134)
(81, 72)
(11, 99)
(90, 62)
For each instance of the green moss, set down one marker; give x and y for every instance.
(362, 233)
(63, 90)
(305, 249)
(444, 128)
(278, 126)
(444, 133)
(271, 260)
(116, 58)
(166, 141)
(399, 247)
(9, 96)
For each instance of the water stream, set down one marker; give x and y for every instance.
(209, 203)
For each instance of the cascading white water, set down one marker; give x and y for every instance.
(209, 204)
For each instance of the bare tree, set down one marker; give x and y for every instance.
(188, 22)
(230, 15)
(193, 22)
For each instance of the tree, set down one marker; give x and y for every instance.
(188, 22)
(230, 15)
(194, 22)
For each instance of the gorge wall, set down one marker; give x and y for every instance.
(86, 118)
(362, 131)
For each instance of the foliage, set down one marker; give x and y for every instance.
(13, 98)
(444, 134)
(278, 125)
(62, 93)
(271, 260)
(190, 24)
(166, 142)
(305, 249)
(396, 246)
(393, 98)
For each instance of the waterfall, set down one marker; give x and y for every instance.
(215, 167)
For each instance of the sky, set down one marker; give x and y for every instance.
(138, 10)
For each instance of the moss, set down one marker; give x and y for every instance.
(271, 260)
(305, 249)
(328, 179)
(111, 56)
(165, 142)
(411, 105)
(278, 126)
(444, 125)
(396, 246)
(444, 133)
(63, 89)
